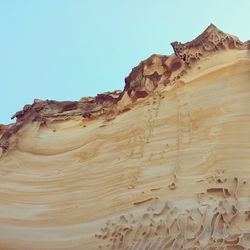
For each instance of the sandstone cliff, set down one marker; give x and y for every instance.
(163, 164)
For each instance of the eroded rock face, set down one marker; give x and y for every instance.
(151, 74)
(40, 110)
(211, 40)
(206, 225)
(163, 164)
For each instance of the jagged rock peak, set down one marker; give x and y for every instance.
(211, 40)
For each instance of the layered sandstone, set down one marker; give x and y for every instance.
(163, 164)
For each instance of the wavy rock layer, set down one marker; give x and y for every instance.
(163, 164)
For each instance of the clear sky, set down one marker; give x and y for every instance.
(67, 49)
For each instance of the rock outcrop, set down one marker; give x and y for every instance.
(162, 164)
(210, 41)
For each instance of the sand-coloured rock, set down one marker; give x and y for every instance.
(163, 164)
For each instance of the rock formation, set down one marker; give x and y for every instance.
(163, 164)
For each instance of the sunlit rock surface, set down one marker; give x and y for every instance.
(163, 164)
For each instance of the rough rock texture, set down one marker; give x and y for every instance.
(152, 73)
(163, 164)
(211, 40)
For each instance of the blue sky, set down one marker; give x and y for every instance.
(64, 50)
